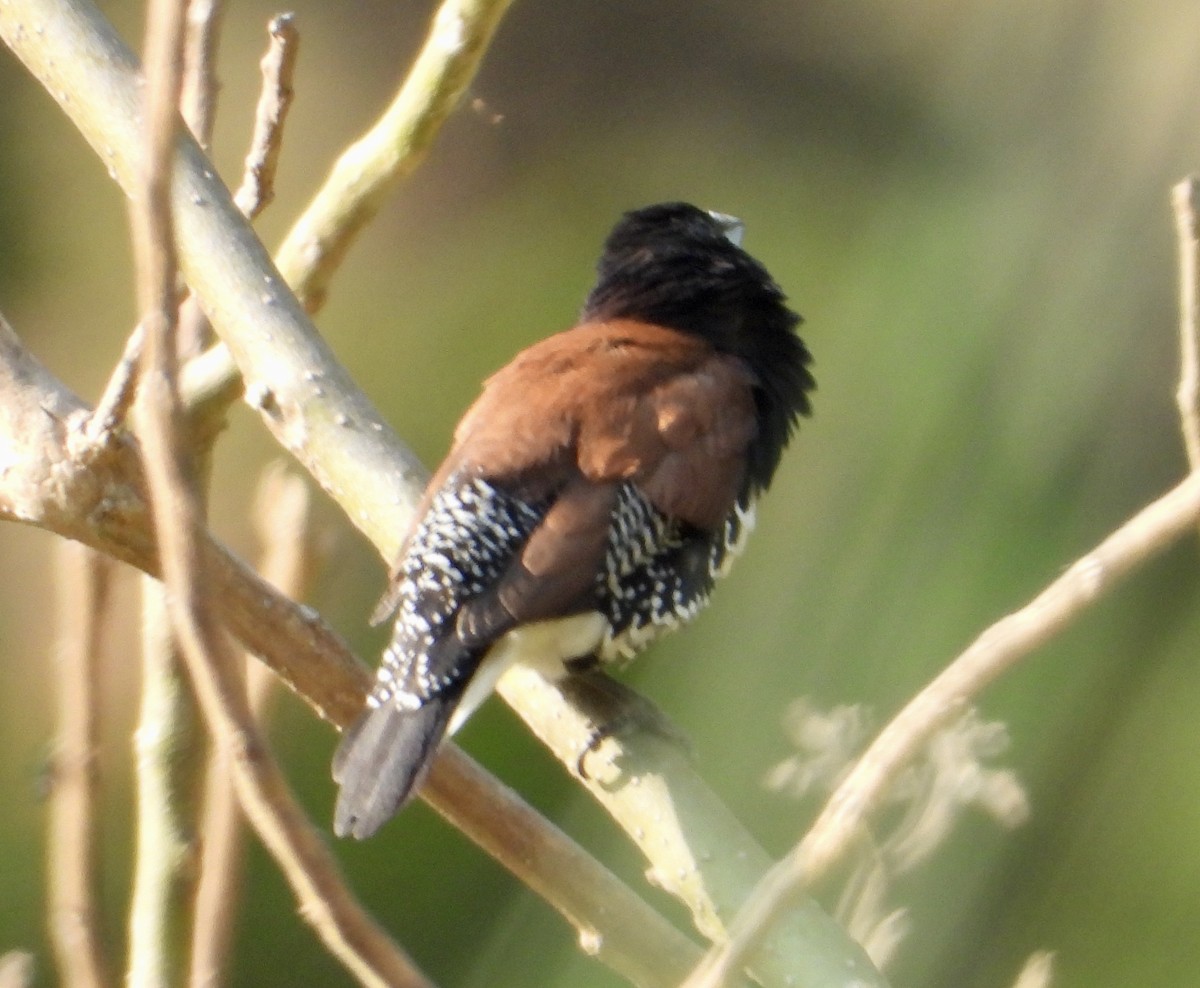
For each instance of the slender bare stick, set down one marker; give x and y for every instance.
(199, 89)
(162, 877)
(169, 739)
(210, 397)
(200, 86)
(1187, 397)
(281, 520)
(346, 929)
(59, 481)
(304, 396)
(75, 922)
(372, 166)
(168, 745)
(278, 67)
(16, 969)
(208, 379)
(113, 407)
(994, 652)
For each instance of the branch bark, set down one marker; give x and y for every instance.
(278, 67)
(75, 921)
(994, 652)
(347, 930)
(310, 404)
(281, 521)
(58, 479)
(1187, 396)
(168, 747)
(369, 169)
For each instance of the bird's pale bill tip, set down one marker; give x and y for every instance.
(733, 228)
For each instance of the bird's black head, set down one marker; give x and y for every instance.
(678, 266)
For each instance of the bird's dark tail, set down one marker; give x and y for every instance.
(382, 759)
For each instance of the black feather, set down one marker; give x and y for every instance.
(382, 759)
(674, 265)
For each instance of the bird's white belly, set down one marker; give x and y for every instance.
(541, 645)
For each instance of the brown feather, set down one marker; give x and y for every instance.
(588, 408)
(618, 401)
(557, 568)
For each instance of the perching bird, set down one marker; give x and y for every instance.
(595, 491)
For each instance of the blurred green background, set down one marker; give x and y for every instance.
(968, 201)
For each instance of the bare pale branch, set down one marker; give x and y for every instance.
(165, 740)
(994, 652)
(168, 744)
(76, 928)
(198, 99)
(278, 67)
(281, 521)
(309, 401)
(113, 408)
(347, 930)
(1187, 396)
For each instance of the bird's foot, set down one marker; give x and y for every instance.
(616, 711)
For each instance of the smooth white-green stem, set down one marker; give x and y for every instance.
(308, 400)
(168, 753)
(1000, 647)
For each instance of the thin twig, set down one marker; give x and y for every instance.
(76, 925)
(162, 877)
(198, 107)
(16, 969)
(994, 652)
(207, 405)
(348, 931)
(200, 87)
(278, 67)
(113, 407)
(281, 520)
(305, 397)
(56, 481)
(370, 168)
(1187, 397)
(168, 744)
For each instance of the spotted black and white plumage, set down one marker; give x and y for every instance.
(595, 492)
(461, 548)
(657, 575)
